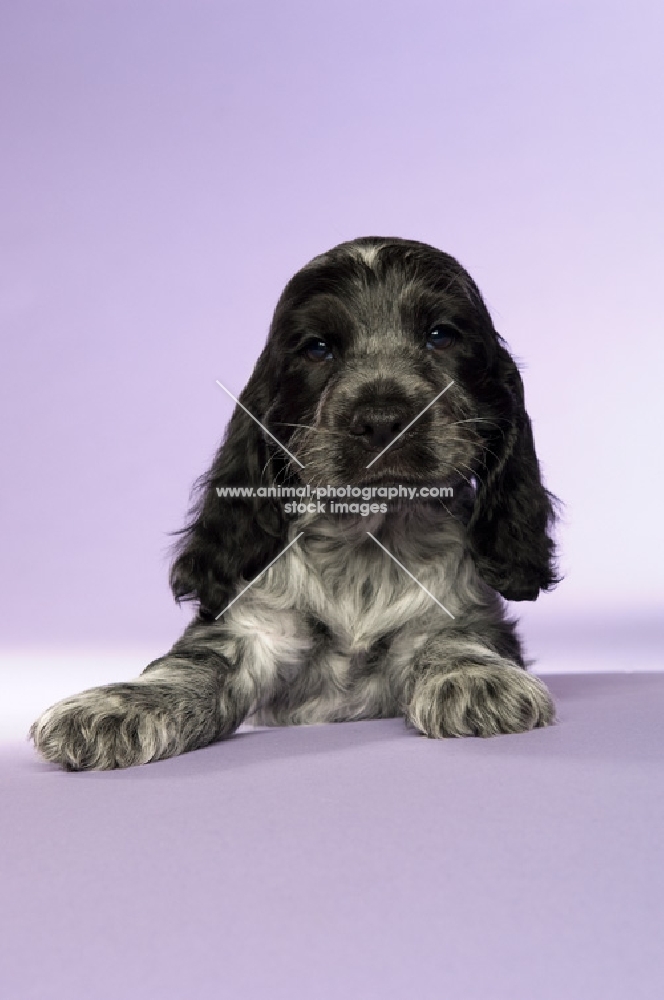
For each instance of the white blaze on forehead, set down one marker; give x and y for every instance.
(367, 254)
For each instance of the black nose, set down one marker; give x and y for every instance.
(375, 426)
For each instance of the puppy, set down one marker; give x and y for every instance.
(382, 367)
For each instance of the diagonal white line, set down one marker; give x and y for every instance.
(408, 425)
(259, 576)
(282, 446)
(401, 565)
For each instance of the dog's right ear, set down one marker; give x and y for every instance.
(228, 539)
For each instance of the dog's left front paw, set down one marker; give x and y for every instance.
(480, 700)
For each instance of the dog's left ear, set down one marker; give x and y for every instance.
(510, 526)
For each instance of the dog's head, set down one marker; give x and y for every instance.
(382, 364)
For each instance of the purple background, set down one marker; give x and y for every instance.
(167, 166)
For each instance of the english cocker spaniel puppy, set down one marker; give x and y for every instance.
(387, 498)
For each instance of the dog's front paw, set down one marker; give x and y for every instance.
(480, 700)
(107, 727)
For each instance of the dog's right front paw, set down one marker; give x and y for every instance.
(107, 727)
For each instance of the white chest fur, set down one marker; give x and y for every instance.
(361, 595)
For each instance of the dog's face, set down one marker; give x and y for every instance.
(363, 339)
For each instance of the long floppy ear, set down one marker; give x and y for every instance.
(509, 529)
(230, 539)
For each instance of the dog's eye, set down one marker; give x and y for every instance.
(317, 350)
(441, 336)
